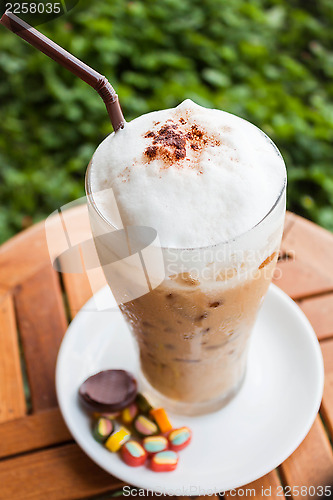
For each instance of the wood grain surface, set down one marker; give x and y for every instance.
(312, 463)
(268, 486)
(327, 403)
(12, 399)
(42, 322)
(60, 473)
(33, 432)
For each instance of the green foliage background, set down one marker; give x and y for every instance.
(270, 62)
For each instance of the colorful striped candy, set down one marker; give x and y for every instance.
(133, 453)
(128, 414)
(144, 426)
(161, 418)
(155, 444)
(117, 439)
(164, 461)
(143, 403)
(102, 429)
(179, 438)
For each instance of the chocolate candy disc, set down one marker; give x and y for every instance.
(109, 416)
(108, 391)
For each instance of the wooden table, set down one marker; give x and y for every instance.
(38, 458)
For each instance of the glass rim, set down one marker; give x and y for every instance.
(90, 198)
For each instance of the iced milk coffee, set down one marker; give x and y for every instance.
(213, 187)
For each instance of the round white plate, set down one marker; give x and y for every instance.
(252, 435)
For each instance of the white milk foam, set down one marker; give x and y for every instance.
(198, 176)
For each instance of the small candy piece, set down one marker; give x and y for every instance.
(143, 403)
(155, 444)
(133, 453)
(164, 461)
(102, 429)
(109, 416)
(117, 439)
(108, 391)
(144, 426)
(129, 413)
(161, 418)
(179, 438)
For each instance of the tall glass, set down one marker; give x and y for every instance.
(193, 327)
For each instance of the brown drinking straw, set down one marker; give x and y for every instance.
(70, 62)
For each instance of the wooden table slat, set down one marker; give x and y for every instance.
(310, 271)
(312, 463)
(266, 487)
(201, 497)
(299, 280)
(319, 311)
(12, 399)
(327, 403)
(61, 473)
(33, 432)
(42, 322)
(27, 252)
(23, 255)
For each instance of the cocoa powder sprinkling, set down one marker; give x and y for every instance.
(151, 152)
(171, 142)
(168, 144)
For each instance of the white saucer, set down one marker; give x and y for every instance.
(252, 435)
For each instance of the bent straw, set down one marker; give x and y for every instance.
(70, 62)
